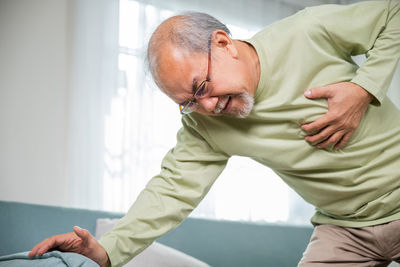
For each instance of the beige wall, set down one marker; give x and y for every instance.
(33, 87)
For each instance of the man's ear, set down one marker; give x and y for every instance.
(220, 39)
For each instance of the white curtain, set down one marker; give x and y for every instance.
(143, 122)
(93, 35)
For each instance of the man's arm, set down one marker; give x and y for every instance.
(370, 28)
(187, 173)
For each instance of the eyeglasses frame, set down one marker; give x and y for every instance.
(186, 109)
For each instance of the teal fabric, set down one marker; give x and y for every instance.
(24, 225)
(50, 259)
(218, 243)
(240, 244)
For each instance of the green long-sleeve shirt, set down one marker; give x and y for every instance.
(356, 186)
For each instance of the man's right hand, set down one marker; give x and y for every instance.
(80, 241)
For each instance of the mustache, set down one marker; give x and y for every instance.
(222, 101)
(244, 111)
(248, 101)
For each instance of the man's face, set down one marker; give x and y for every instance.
(181, 72)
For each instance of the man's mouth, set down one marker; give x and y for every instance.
(222, 104)
(227, 105)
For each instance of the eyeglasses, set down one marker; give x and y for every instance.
(201, 91)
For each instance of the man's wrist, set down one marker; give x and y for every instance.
(100, 256)
(368, 96)
(105, 260)
(365, 94)
(106, 263)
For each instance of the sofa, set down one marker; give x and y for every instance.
(217, 243)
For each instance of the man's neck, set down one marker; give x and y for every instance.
(250, 58)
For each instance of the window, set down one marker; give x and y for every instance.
(142, 126)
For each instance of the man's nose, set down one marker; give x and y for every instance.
(208, 103)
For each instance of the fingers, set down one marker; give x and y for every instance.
(83, 234)
(333, 139)
(326, 138)
(80, 241)
(325, 133)
(343, 141)
(42, 247)
(330, 136)
(317, 125)
(321, 136)
(347, 103)
(65, 242)
(318, 92)
(33, 252)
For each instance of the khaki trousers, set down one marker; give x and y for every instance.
(336, 246)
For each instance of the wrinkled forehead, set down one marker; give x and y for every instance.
(179, 72)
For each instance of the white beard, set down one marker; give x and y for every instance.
(246, 99)
(248, 103)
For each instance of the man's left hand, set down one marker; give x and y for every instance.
(347, 103)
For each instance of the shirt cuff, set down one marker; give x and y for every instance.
(108, 243)
(371, 88)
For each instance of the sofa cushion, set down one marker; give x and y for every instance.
(49, 259)
(156, 255)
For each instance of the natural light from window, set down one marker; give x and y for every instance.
(142, 126)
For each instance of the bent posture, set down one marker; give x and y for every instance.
(292, 99)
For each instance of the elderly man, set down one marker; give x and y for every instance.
(250, 98)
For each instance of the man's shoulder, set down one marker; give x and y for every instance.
(333, 10)
(299, 21)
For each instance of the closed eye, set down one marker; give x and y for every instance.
(202, 90)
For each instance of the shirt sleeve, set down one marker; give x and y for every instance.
(371, 28)
(187, 173)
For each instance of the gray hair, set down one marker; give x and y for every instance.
(190, 30)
